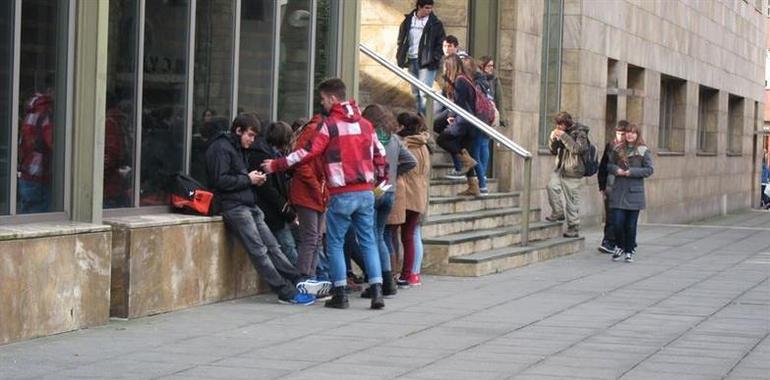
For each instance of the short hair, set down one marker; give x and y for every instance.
(333, 86)
(299, 123)
(563, 118)
(413, 124)
(452, 40)
(279, 134)
(245, 122)
(622, 126)
(381, 117)
(422, 3)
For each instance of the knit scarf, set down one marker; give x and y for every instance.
(383, 136)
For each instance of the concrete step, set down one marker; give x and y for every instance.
(439, 170)
(474, 220)
(502, 259)
(455, 204)
(440, 156)
(450, 187)
(441, 248)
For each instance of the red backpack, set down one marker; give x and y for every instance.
(484, 107)
(189, 197)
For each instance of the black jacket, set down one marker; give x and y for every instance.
(430, 51)
(601, 176)
(272, 195)
(227, 173)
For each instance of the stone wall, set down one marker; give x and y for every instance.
(169, 262)
(53, 278)
(380, 20)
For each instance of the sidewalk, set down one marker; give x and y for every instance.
(694, 305)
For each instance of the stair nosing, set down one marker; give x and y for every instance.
(457, 198)
(512, 251)
(448, 181)
(490, 232)
(461, 216)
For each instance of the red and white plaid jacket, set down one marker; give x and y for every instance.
(354, 159)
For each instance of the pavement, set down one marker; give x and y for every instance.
(694, 305)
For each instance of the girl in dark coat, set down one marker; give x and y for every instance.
(629, 165)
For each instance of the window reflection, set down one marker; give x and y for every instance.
(6, 58)
(163, 97)
(294, 68)
(256, 57)
(120, 126)
(42, 90)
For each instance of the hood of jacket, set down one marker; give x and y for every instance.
(346, 111)
(232, 138)
(415, 141)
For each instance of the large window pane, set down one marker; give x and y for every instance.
(6, 56)
(42, 94)
(326, 44)
(213, 76)
(294, 67)
(120, 126)
(550, 81)
(256, 57)
(163, 97)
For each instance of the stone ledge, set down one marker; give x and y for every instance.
(48, 229)
(158, 220)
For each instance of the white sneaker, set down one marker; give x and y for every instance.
(319, 289)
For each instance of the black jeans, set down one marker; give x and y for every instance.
(609, 230)
(624, 222)
(248, 225)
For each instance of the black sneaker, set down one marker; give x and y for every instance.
(617, 254)
(607, 248)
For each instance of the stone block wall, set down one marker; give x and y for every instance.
(53, 278)
(169, 262)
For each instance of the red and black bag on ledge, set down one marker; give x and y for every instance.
(188, 196)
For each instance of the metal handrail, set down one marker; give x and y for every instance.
(487, 129)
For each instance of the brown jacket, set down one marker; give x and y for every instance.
(416, 181)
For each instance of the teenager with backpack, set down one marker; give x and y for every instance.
(567, 142)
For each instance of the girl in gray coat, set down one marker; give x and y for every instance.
(629, 165)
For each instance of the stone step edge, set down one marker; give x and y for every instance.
(463, 237)
(447, 181)
(470, 215)
(458, 198)
(500, 253)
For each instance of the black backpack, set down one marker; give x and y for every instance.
(590, 159)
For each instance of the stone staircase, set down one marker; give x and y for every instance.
(474, 236)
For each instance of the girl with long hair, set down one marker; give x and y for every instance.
(630, 163)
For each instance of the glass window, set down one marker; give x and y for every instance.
(164, 97)
(550, 81)
(120, 124)
(42, 98)
(326, 44)
(294, 68)
(255, 67)
(673, 94)
(708, 119)
(735, 122)
(213, 77)
(6, 72)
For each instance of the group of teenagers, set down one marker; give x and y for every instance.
(357, 180)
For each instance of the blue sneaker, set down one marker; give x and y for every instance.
(299, 299)
(319, 289)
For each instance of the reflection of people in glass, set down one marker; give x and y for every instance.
(208, 113)
(35, 151)
(214, 126)
(116, 161)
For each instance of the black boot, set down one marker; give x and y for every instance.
(377, 301)
(389, 287)
(339, 298)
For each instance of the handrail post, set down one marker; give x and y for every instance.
(525, 201)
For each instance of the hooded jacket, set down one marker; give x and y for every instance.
(569, 149)
(307, 186)
(416, 181)
(227, 172)
(271, 197)
(627, 192)
(430, 50)
(36, 148)
(354, 159)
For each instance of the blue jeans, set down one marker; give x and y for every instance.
(35, 197)
(425, 76)
(286, 241)
(624, 222)
(480, 153)
(356, 209)
(418, 249)
(322, 267)
(382, 207)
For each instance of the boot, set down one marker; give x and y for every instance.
(466, 160)
(339, 298)
(389, 287)
(473, 187)
(572, 232)
(377, 301)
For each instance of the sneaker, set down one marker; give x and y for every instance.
(299, 299)
(607, 248)
(414, 279)
(617, 254)
(454, 174)
(317, 288)
(484, 191)
(630, 256)
(402, 283)
(554, 218)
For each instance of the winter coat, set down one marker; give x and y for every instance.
(36, 148)
(272, 196)
(568, 150)
(353, 156)
(499, 97)
(464, 96)
(627, 193)
(307, 186)
(416, 181)
(430, 51)
(602, 174)
(400, 160)
(227, 172)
